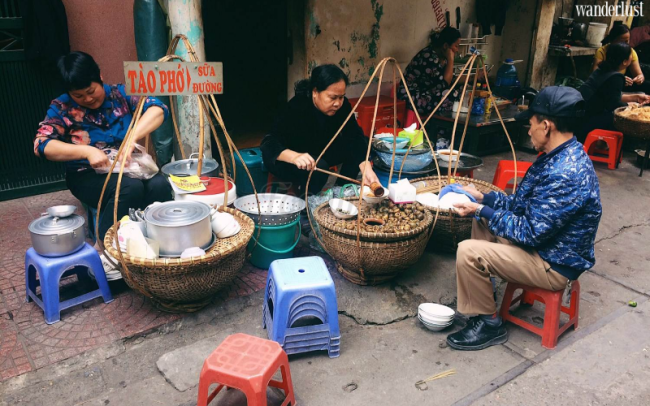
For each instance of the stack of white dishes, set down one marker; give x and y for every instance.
(435, 317)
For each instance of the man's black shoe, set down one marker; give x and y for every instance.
(478, 334)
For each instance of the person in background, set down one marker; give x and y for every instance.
(543, 235)
(80, 124)
(639, 35)
(310, 121)
(634, 78)
(602, 92)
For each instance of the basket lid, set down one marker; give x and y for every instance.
(48, 225)
(176, 213)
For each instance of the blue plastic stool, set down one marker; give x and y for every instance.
(298, 288)
(52, 269)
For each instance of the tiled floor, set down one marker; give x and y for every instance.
(27, 343)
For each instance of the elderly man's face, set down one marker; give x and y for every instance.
(539, 133)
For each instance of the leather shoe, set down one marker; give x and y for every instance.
(477, 335)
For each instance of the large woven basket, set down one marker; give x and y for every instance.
(451, 229)
(630, 126)
(382, 256)
(188, 284)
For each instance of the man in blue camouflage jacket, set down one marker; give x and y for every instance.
(541, 236)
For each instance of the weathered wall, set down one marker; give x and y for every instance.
(103, 29)
(297, 69)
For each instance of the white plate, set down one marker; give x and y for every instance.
(373, 200)
(339, 204)
(436, 310)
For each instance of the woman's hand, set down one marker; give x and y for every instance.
(643, 99)
(97, 158)
(370, 176)
(629, 81)
(639, 80)
(449, 54)
(304, 161)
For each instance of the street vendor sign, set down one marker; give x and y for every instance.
(173, 78)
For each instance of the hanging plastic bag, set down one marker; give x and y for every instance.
(140, 166)
(348, 190)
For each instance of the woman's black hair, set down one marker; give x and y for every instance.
(617, 53)
(448, 36)
(78, 70)
(321, 78)
(616, 31)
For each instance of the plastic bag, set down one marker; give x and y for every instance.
(141, 165)
(348, 190)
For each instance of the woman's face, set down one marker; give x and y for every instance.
(91, 97)
(623, 39)
(330, 100)
(627, 62)
(454, 47)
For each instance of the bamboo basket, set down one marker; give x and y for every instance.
(452, 229)
(630, 126)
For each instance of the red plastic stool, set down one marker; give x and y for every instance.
(506, 172)
(553, 301)
(246, 363)
(613, 155)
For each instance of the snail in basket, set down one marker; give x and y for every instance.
(388, 217)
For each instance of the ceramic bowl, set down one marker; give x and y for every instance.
(434, 327)
(448, 155)
(370, 197)
(222, 221)
(434, 319)
(343, 209)
(436, 310)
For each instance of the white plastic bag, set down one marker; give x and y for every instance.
(141, 165)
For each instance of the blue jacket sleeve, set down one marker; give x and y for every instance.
(498, 201)
(552, 205)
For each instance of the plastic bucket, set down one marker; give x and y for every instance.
(595, 34)
(275, 242)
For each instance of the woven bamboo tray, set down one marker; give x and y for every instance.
(382, 256)
(451, 229)
(187, 284)
(630, 126)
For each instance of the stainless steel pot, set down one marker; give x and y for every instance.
(57, 236)
(188, 167)
(178, 225)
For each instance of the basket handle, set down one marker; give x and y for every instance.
(282, 251)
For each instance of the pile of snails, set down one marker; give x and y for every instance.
(387, 217)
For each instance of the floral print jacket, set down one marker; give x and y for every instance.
(426, 83)
(104, 127)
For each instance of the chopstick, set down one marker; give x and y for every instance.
(338, 175)
(434, 377)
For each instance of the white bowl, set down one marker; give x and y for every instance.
(370, 197)
(436, 310)
(435, 319)
(221, 221)
(448, 155)
(423, 321)
(435, 327)
(343, 209)
(229, 231)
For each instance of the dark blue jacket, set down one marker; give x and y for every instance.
(555, 210)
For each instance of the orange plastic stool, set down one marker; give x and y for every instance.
(246, 363)
(506, 172)
(613, 155)
(553, 301)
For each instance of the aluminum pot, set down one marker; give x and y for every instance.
(188, 167)
(178, 225)
(57, 236)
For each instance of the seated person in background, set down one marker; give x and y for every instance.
(602, 92)
(92, 116)
(634, 78)
(639, 35)
(541, 236)
(308, 124)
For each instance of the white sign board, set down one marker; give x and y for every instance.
(173, 78)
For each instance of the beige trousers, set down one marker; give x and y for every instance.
(485, 255)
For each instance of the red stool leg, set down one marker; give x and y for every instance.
(551, 320)
(528, 298)
(575, 303)
(612, 157)
(504, 312)
(288, 384)
(204, 390)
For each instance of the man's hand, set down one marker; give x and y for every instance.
(629, 81)
(474, 192)
(97, 158)
(639, 80)
(466, 209)
(304, 161)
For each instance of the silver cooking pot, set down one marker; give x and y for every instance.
(178, 225)
(188, 167)
(57, 236)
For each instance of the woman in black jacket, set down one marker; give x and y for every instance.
(307, 125)
(603, 90)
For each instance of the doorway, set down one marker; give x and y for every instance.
(250, 38)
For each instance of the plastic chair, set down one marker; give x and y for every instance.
(50, 271)
(613, 155)
(551, 329)
(300, 290)
(506, 172)
(246, 363)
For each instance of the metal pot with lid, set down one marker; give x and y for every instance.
(178, 225)
(188, 167)
(57, 236)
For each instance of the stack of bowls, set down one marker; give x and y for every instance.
(435, 316)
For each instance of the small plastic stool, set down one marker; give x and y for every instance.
(553, 300)
(50, 271)
(246, 363)
(506, 172)
(613, 155)
(301, 288)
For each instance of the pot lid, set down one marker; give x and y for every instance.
(187, 167)
(48, 225)
(215, 186)
(176, 213)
